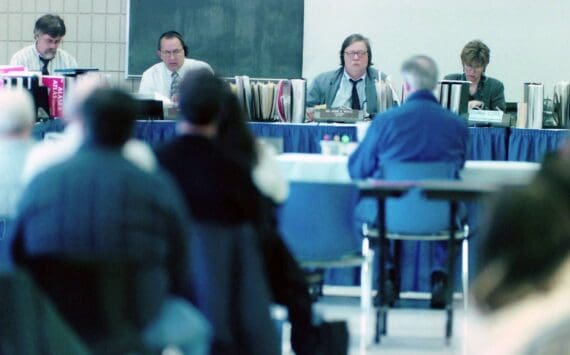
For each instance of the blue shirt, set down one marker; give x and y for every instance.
(419, 130)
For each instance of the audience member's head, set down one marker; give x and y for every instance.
(233, 135)
(109, 116)
(419, 73)
(526, 241)
(17, 114)
(84, 85)
(201, 94)
(49, 31)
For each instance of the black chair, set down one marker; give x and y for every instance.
(93, 295)
(30, 324)
(415, 218)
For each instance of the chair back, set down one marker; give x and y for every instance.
(413, 213)
(6, 237)
(317, 222)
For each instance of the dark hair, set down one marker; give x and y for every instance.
(200, 96)
(526, 241)
(234, 136)
(109, 116)
(173, 34)
(49, 24)
(476, 51)
(350, 40)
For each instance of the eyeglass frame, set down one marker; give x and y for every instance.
(359, 54)
(172, 53)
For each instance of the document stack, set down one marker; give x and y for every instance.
(271, 100)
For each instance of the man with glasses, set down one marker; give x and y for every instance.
(353, 84)
(45, 55)
(485, 93)
(161, 79)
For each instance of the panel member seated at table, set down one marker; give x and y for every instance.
(45, 55)
(162, 79)
(485, 93)
(420, 130)
(353, 84)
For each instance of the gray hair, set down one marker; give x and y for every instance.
(18, 111)
(420, 72)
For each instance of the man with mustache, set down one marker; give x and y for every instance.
(45, 55)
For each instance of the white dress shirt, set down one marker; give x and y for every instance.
(30, 58)
(157, 79)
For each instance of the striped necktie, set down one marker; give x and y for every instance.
(174, 84)
(355, 99)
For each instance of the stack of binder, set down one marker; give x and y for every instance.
(271, 100)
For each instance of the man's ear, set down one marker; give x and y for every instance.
(158, 54)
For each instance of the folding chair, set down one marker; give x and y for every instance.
(317, 224)
(413, 217)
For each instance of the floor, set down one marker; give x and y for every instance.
(413, 328)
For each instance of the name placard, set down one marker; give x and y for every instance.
(338, 115)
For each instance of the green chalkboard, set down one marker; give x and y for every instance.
(259, 38)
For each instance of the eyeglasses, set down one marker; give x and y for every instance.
(473, 67)
(174, 52)
(356, 53)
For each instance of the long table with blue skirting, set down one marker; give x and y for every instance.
(486, 143)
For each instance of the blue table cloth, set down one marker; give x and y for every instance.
(486, 143)
(532, 144)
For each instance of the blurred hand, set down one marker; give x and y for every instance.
(476, 105)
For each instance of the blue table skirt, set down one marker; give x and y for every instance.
(486, 143)
(531, 144)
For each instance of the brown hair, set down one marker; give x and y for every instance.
(476, 52)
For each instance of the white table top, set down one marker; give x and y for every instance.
(333, 168)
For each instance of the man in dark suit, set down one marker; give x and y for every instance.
(99, 206)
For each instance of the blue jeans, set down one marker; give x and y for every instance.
(180, 325)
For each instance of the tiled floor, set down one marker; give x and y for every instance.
(410, 330)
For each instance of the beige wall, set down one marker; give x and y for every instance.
(96, 32)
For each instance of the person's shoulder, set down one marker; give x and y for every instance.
(191, 64)
(493, 82)
(327, 75)
(153, 68)
(21, 54)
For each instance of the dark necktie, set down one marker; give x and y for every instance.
(355, 99)
(45, 65)
(174, 84)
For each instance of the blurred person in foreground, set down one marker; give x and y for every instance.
(287, 280)
(16, 119)
(485, 93)
(521, 294)
(59, 147)
(418, 131)
(98, 205)
(224, 202)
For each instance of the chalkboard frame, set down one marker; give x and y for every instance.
(274, 43)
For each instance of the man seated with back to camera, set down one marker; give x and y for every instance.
(162, 79)
(353, 85)
(418, 131)
(99, 206)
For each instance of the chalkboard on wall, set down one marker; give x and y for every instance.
(259, 38)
